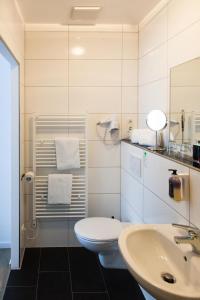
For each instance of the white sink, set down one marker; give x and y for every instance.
(150, 252)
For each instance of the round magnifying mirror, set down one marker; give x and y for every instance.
(156, 120)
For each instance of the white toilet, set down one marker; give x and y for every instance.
(101, 236)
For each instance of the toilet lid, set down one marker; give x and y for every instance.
(98, 229)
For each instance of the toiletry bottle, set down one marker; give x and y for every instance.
(175, 186)
(196, 152)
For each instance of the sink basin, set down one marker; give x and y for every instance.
(164, 269)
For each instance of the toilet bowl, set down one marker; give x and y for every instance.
(100, 235)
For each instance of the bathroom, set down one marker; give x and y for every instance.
(97, 72)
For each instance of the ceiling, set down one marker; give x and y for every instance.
(59, 11)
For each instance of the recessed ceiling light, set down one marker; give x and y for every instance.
(85, 12)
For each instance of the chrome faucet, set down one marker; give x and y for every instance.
(193, 237)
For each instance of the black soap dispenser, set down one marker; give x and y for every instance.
(175, 186)
(171, 185)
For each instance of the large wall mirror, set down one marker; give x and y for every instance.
(185, 105)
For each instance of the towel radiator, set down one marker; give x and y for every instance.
(45, 129)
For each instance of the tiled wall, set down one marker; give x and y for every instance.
(145, 198)
(89, 70)
(12, 33)
(167, 39)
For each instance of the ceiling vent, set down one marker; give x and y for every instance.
(85, 13)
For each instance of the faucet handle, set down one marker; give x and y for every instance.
(187, 228)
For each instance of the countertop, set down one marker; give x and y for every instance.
(174, 156)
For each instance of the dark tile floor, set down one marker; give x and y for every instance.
(70, 274)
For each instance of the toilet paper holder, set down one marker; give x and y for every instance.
(28, 177)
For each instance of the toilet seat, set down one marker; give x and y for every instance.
(98, 229)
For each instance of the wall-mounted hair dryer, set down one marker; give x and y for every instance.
(111, 125)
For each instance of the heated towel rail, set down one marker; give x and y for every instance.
(45, 129)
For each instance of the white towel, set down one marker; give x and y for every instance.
(144, 136)
(67, 153)
(59, 188)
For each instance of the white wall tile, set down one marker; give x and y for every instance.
(156, 179)
(28, 156)
(127, 151)
(96, 132)
(181, 14)
(94, 73)
(142, 121)
(46, 45)
(94, 86)
(28, 127)
(153, 66)
(95, 45)
(46, 73)
(129, 100)
(46, 100)
(52, 233)
(127, 121)
(134, 194)
(153, 96)
(101, 155)
(154, 33)
(94, 99)
(72, 239)
(104, 180)
(130, 45)
(123, 209)
(129, 73)
(194, 198)
(104, 205)
(184, 46)
(157, 212)
(131, 215)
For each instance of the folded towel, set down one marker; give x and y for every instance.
(59, 188)
(145, 137)
(67, 153)
(148, 139)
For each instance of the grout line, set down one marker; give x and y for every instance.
(55, 271)
(20, 286)
(80, 86)
(153, 81)
(70, 275)
(101, 271)
(91, 293)
(80, 59)
(36, 296)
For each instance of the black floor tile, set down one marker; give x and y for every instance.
(54, 285)
(90, 281)
(121, 285)
(31, 259)
(90, 296)
(27, 276)
(85, 271)
(22, 278)
(54, 259)
(17, 293)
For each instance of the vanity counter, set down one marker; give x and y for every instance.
(176, 157)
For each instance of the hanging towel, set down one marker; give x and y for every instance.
(59, 188)
(67, 153)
